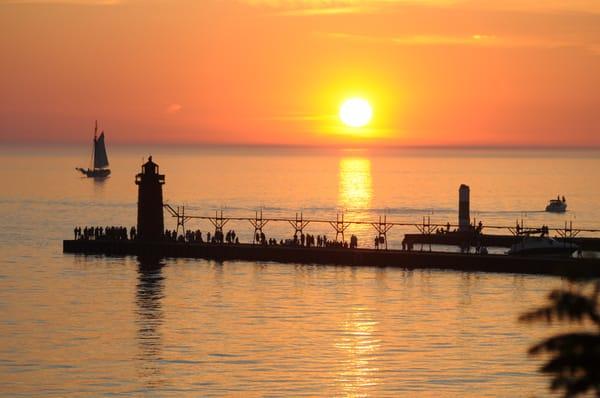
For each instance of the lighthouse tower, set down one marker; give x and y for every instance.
(150, 221)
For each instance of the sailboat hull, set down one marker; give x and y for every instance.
(95, 173)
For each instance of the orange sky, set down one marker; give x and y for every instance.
(437, 72)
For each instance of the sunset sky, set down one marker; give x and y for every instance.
(436, 72)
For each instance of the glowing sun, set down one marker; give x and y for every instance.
(355, 112)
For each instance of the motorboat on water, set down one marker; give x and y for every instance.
(99, 167)
(542, 246)
(557, 205)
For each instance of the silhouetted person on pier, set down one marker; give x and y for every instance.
(353, 242)
(377, 242)
(479, 227)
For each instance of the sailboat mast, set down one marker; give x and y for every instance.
(94, 146)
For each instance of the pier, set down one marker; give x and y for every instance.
(568, 267)
(149, 240)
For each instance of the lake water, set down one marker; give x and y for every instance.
(75, 325)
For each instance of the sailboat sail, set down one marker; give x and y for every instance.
(100, 158)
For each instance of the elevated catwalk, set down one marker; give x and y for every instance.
(569, 267)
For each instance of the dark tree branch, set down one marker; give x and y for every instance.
(575, 357)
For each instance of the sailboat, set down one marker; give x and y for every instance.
(99, 158)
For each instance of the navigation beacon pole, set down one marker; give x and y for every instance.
(464, 217)
(150, 221)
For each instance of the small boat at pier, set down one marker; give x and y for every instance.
(99, 158)
(542, 246)
(557, 205)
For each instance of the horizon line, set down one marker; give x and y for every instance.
(310, 146)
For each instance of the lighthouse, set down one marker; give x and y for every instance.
(150, 221)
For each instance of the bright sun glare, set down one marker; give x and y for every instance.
(355, 112)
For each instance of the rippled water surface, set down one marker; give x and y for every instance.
(75, 325)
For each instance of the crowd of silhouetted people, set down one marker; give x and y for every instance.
(119, 233)
(196, 236)
(230, 237)
(218, 237)
(104, 233)
(308, 240)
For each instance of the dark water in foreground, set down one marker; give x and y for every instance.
(77, 326)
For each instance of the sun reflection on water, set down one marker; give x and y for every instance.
(355, 183)
(358, 345)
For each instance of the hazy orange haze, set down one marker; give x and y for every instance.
(494, 72)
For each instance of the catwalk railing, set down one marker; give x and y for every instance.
(381, 226)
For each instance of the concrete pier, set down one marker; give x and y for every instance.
(459, 239)
(569, 267)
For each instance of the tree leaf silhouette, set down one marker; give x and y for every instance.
(574, 357)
